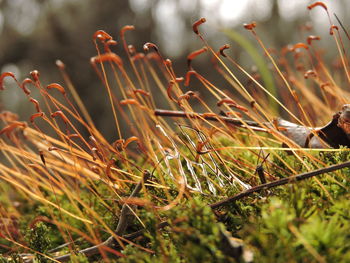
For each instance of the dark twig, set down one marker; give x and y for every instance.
(126, 214)
(63, 245)
(141, 231)
(282, 181)
(191, 115)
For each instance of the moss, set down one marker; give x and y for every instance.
(79, 258)
(39, 241)
(293, 227)
(301, 222)
(13, 258)
(193, 235)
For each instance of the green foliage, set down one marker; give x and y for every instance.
(79, 258)
(38, 240)
(285, 233)
(13, 258)
(299, 225)
(193, 235)
(197, 237)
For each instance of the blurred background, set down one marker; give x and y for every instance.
(35, 33)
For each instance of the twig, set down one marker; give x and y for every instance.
(63, 245)
(191, 115)
(282, 181)
(140, 232)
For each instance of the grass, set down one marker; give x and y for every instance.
(65, 188)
